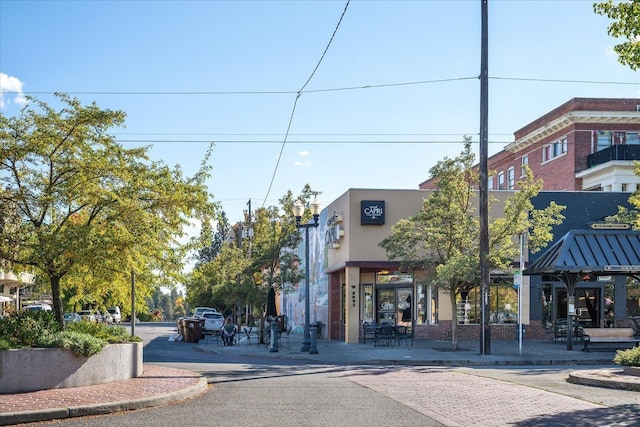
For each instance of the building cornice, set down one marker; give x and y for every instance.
(572, 118)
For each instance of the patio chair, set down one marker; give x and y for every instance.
(384, 335)
(284, 334)
(404, 333)
(368, 331)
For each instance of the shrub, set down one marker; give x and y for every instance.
(111, 334)
(630, 357)
(22, 329)
(4, 344)
(39, 329)
(81, 344)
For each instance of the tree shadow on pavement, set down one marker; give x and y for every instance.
(623, 415)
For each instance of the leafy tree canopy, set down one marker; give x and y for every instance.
(246, 266)
(443, 238)
(626, 24)
(75, 204)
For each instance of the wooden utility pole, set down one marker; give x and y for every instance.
(485, 336)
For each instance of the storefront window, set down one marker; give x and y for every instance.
(422, 305)
(433, 313)
(367, 314)
(393, 278)
(547, 305)
(503, 306)
(633, 297)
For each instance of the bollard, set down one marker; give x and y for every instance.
(313, 332)
(274, 337)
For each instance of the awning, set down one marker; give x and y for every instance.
(608, 252)
(582, 253)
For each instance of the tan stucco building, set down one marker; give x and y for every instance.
(353, 281)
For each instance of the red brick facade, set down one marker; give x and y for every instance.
(577, 121)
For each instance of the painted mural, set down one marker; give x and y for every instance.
(293, 298)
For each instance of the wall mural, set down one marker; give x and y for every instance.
(294, 296)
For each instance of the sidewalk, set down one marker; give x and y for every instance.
(425, 352)
(161, 385)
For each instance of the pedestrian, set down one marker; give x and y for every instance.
(229, 330)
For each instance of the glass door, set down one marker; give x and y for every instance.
(395, 305)
(386, 305)
(404, 314)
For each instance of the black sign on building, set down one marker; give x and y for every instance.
(372, 212)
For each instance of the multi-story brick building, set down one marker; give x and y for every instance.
(584, 144)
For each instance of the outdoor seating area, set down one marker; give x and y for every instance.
(560, 331)
(282, 333)
(387, 334)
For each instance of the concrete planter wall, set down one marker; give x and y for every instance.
(631, 370)
(32, 369)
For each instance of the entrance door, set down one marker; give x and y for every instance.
(394, 305)
(587, 306)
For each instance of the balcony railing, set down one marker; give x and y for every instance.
(615, 152)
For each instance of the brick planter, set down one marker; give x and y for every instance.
(32, 369)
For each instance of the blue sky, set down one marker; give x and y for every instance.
(395, 92)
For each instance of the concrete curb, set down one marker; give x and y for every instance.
(608, 378)
(11, 418)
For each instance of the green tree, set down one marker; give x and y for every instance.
(223, 234)
(242, 272)
(443, 238)
(626, 24)
(275, 240)
(79, 202)
(216, 283)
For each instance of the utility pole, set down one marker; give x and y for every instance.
(250, 236)
(485, 336)
(250, 230)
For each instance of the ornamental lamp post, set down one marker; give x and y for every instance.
(298, 210)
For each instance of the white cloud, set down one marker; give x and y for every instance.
(611, 52)
(302, 163)
(14, 86)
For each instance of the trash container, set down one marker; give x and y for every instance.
(196, 330)
(192, 330)
(186, 333)
(202, 334)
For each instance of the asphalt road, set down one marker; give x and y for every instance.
(252, 391)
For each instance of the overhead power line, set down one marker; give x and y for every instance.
(295, 103)
(335, 89)
(261, 141)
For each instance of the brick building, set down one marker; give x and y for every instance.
(584, 144)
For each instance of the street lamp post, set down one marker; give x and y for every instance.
(298, 210)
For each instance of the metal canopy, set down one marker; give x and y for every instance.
(606, 252)
(610, 252)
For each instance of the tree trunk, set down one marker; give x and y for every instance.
(57, 300)
(454, 321)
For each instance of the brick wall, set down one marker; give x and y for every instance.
(502, 332)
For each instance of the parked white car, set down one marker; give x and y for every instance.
(213, 321)
(87, 315)
(115, 314)
(200, 310)
(38, 307)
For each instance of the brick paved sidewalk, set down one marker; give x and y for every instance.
(457, 399)
(158, 385)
